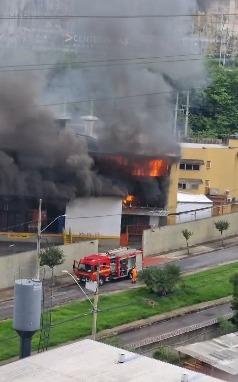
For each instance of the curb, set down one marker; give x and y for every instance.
(162, 317)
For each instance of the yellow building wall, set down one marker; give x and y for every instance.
(172, 194)
(223, 173)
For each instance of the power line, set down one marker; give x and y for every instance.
(105, 63)
(100, 60)
(91, 217)
(115, 98)
(137, 16)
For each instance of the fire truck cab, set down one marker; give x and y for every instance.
(112, 265)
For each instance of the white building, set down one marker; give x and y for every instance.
(192, 207)
(90, 361)
(100, 217)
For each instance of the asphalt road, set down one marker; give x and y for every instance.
(208, 260)
(71, 292)
(173, 324)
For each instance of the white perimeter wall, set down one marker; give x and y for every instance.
(170, 237)
(23, 265)
(181, 207)
(87, 215)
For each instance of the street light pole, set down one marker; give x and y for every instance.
(38, 240)
(95, 308)
(94, 304)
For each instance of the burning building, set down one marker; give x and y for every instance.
(137, 193)
(132, 72)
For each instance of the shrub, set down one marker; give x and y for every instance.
(161, 281)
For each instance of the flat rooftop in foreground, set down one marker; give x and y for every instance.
(89, 361)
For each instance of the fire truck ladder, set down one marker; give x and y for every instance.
(46, 318)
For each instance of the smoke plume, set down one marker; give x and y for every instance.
(132, 69)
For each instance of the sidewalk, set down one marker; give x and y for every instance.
(7, 294)
(194, 251)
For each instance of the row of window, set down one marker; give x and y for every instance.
(186, 166)
(190, 185)
(193, 167)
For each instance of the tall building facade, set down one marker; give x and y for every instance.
(216, 24)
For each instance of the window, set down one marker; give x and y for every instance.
(208, 165)
(189, 167)
(194, 186)
(182, 186)
(196, 167)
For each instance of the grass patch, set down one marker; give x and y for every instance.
(73, 321)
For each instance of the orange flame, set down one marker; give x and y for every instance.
(141, 167)
(129, 199)
(151, 168)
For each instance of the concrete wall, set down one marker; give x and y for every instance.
(99, 216)
(193, 214)
(23, 265)
(169, 237)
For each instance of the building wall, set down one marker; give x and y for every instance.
(23, 265)
(170, 237)
(173, 188)
(222, 175)
(218, 34)
(96, 216)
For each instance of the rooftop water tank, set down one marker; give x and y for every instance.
(27, 306)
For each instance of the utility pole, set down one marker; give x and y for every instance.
(221, 40)
(176, 114)
(187, 114)
(38, 240)
(95, 307)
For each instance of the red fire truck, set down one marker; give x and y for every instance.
(112, 265)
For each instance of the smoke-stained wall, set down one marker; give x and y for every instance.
(131, 68)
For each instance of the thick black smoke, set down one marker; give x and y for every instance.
(37, 157)
(137, 116)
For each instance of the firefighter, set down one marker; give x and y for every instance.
(134, 275)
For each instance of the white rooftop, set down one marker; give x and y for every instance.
(221, 352)
(89, 361)
(191, 198)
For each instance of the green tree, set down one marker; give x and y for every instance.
(225, 326)
(187, 235)
(234, 304)
(221, 226)
(161, 281)
(51, 257)
(214, 110)
(167, 354)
